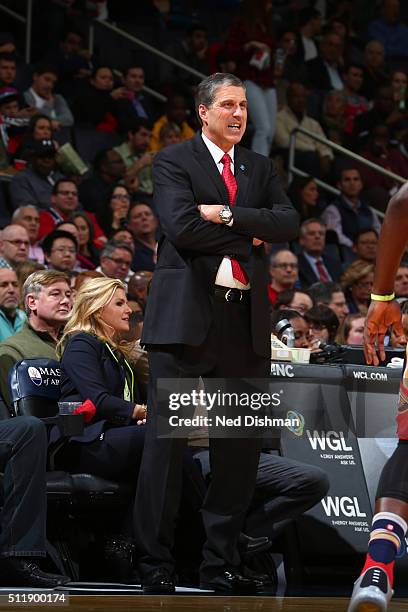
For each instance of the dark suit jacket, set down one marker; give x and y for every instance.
(179, 308)
(88, 371)
(318, 75)
(307, 276)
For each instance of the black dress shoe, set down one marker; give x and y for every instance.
(248, 546)
(24, 572)
(231, 581)
(159, 582)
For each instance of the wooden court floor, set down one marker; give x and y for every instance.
(143, 603)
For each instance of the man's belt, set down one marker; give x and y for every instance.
(231, 295)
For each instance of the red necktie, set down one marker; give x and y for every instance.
(321, 270)
(231, 184)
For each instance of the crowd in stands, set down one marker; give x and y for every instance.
(78, 138)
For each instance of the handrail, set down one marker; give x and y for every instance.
(27, 20)
(144, 45)
(336, 147)
(329, 143)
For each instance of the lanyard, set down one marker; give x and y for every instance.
(128, 391)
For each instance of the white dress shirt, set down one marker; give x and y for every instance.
(224, 275)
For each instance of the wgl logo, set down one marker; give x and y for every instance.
(330, 439)
(347, 506)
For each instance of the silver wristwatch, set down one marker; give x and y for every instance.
(225, 214)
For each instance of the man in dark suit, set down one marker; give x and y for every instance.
(314, 265)
(208, 315)
(324, 71)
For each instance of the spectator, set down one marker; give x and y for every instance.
(314, 264)
(365, 245)
(324, 71)
(283, 271)
(330, 294)
(357, 283)
(136, 104)
(73, 61)
(298, 323)
(310, 25)
(14, 245)
(41, 96)
(383, 112)
(190, 50)
(34, 184)
(323, 325)
(88, 254)
(115, 259)
(251, 45)
(304, 195)
(60, 250)
(375, 75)
(11, 317)
(351, 331)
(13, 121)
(311, 156)
(355, 102)
(399, 82)
(293, 299)
(294, 70)
(347, 214)
(8, 64)
(390, 31)
(124, 235)
(169, 134)
(139, 286)
(29, 217)
(39, 128)
(333, 116)
(380, 151)
(135, 156)
(143, 225)
(401, 281)
(95, 105)
(114, 214)
(108, 170)
(23, 458)
(64, 201)
(176, 112)
(47, 302)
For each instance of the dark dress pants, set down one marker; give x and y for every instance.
(226, 352)
(23, 455)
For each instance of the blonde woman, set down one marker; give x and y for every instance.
(94, 366)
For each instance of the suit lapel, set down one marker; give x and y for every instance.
(207, 163)
(241, 168)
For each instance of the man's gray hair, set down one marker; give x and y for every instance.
(302, 230)
(18, 211)
(40, 279)
(207, 89)
(111, 247)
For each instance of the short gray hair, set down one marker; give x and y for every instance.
(302, 230)
(208, 87)
(111, 246)
(18, 211)
(40, 279)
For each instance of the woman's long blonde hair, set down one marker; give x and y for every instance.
(92, 297)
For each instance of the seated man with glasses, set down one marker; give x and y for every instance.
(283, 270)
(60, 251)
(115, 260)
(14, 245)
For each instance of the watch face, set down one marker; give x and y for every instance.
(226, 215)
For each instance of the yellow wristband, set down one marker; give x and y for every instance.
(382, 298)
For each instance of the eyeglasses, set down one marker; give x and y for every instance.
(65, 193)
(121, 196)
(119, 262)
(18, 243)
(64, 250)
(282, 266)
